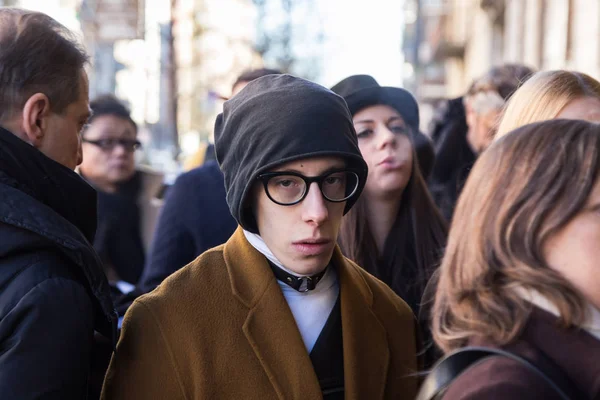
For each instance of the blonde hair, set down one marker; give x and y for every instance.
(520, 192)
(543, 96)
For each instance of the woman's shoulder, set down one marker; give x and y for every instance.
(499, 377)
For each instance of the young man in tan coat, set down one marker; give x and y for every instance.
(277, 312)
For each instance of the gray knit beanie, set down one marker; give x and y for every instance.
(274, 120)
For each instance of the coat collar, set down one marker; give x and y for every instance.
(30, 171)
(271, 329)
(574, 350)
(591, 324)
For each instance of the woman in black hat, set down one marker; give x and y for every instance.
(395, 230)
(277, 311)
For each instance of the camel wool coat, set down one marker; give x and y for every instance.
(220, 328)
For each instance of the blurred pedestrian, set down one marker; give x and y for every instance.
(486, 99)
(195, 218)
(449, 134)
(53, 292)
(277, 312)
(248, 76)
(520, 272)
(457, 149)
(448, 116)
(552, 94)
(128, 203)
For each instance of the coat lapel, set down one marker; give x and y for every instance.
(270, 326)
(366, 351)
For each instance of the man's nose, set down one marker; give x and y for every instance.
(314, 206)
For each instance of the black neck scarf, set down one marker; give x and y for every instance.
(118, 238)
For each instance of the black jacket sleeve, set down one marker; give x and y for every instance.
(45, 342)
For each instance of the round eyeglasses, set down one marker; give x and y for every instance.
(110, 144)
(287, 188)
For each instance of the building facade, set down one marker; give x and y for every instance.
(465, 38)
(213, 44)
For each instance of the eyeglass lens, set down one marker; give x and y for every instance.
(109, 144)
(289, 189)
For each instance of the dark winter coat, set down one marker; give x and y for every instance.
(574, 353)
(118, 238)
(453, 156)
(126, 223)
(53, 293)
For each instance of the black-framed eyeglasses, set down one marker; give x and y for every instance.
(287, 188)
(109, 144)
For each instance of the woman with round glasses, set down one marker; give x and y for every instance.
(277, 312)
(127, 209)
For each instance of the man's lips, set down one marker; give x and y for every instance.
(312, 247)
(313, 241)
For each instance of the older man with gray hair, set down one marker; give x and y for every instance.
(53, 293)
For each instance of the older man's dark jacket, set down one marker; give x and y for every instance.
(53, 293)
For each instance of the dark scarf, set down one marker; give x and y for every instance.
(118, 239)
(398, 264)
(27, 169)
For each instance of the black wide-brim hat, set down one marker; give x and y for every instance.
(362, 91)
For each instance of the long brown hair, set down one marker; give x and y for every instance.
(419, 224)
(523, 189)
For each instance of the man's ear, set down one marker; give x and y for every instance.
(36, 113)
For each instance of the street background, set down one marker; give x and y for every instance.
(173, 61)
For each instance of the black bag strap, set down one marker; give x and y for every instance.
(454, 364)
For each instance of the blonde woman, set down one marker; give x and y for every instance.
(549, 95)
(521, 268)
